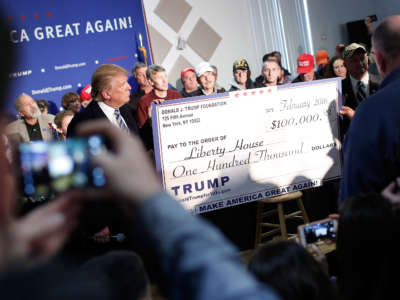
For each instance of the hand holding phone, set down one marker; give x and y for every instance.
(317, 232)
(49, 168)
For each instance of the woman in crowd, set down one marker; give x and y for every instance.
(336, 68)
(241, 76)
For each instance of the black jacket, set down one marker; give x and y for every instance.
(94, 112)
(348, 97)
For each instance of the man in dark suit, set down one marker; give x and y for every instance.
(110, 92)
(359, 85)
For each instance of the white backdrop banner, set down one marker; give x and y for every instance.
(227, 149)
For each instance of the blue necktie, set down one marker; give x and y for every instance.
(120, 121)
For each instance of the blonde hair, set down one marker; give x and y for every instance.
(102, 77)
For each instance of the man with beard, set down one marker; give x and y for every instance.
(32, 126)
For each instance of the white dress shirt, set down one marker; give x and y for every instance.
(364, 80)
(109, 112)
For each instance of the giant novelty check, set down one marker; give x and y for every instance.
(227, 149)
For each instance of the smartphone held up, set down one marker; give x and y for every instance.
(317, 232)
(49, 168)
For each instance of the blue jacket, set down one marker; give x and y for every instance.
(371, 150)
(196, 260)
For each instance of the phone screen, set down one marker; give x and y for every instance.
(48, 168)
(318, 232)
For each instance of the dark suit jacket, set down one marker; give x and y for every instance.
(94, 112)
(97, 215)
(348, 97)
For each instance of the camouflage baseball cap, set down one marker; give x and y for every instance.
(240, 64)
(352, 48)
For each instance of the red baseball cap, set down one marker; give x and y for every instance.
(305, 63)
(185, 70)
(85, 93)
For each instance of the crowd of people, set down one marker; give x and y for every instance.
(189, 258)
(351, 63)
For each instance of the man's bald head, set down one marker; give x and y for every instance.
(386, 45)
(387, 37)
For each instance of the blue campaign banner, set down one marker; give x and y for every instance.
(61, 43)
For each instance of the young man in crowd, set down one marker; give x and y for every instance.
(271, 72)
(286, 76)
